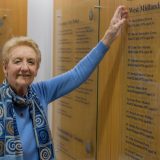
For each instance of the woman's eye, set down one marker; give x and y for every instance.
(17, 61)
(31, 62)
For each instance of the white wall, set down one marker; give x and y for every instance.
(40, 29)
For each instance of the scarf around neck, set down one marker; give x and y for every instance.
(10, 142)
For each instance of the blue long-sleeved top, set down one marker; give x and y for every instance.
(49, 90)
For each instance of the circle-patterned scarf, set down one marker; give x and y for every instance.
(10, 142)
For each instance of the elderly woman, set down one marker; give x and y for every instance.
(24, 130)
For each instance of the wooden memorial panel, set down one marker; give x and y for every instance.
(128, 84)
(75, 115)
(129, 112)
(141, 110)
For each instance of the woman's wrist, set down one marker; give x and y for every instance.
(108, 38)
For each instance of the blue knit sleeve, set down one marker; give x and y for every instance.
(64, 83)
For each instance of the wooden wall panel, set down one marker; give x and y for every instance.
(75, 115)
(141, 82)
(109, 91)
(128, 85)
(14, 22)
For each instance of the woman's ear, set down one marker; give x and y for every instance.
(5, 69)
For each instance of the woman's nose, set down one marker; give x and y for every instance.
(24, 66)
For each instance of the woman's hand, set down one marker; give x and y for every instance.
(119, 18)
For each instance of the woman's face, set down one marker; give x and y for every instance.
(21, 68)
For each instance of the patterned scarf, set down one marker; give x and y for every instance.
(10, 142)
